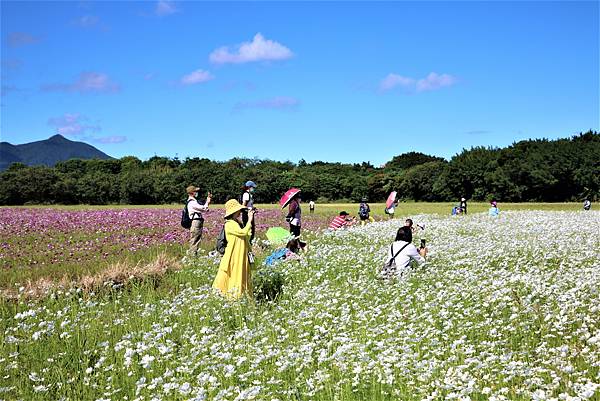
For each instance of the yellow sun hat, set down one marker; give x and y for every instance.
(232, 206)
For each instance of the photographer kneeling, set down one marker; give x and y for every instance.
(401, 252)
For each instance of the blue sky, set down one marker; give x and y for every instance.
(330, 81)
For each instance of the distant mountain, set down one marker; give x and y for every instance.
(47, 152)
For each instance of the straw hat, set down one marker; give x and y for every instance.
(232, 206)
(191, 189)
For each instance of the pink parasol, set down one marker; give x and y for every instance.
(391, 199)
(287, 197)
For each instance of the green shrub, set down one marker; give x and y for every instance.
(268, 284)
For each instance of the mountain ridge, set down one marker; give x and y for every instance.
(47, 152)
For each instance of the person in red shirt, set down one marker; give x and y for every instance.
(340, 221)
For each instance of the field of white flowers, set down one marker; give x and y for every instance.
(505, 308)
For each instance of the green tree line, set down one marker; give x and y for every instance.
(532, 170)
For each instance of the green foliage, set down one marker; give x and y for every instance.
(268, 284)
(532, 170)
(410, 159)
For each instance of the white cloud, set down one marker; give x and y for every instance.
(435, 81)
(79, 126)
(87, 82)
(260, 49)
(165, 7)
(72, 124)
(196, 77)
(431, 82)
(394, 80)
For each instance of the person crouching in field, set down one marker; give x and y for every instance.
(234, 278)
(195, 210)
(291, 251)
(493, 210)
(341, 221)
(401, 252)
(409, 223)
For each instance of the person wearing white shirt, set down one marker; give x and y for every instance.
(402, 251)
(247, 201)
(195, 210)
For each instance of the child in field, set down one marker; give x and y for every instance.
(493, 210)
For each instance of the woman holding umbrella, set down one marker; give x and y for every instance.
(292, 199)
(390, 204)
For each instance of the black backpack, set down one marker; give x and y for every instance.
(363, 210)
(221, 241)
(186, 222)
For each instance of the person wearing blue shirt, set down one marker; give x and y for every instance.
(494, 211)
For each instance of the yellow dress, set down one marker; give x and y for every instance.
(234, 278)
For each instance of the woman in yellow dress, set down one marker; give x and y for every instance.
(234, 278)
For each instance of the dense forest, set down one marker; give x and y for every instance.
(531, 170)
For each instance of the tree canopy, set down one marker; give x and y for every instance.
(531, 170)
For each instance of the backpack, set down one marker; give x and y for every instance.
(363, 211)
(186, 222)
(221, 241)
(389, 267)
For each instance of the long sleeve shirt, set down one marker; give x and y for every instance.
(404, 257)
(295, 212)
(195, 209)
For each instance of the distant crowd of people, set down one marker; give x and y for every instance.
(233, 278)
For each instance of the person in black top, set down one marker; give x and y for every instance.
(463, 205)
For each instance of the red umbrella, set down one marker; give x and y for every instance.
(287, 197)
(391, 199)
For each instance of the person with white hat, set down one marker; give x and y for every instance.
(195, 210)
(234, 277)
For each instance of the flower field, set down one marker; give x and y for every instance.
(50, 242)
(504, 309)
